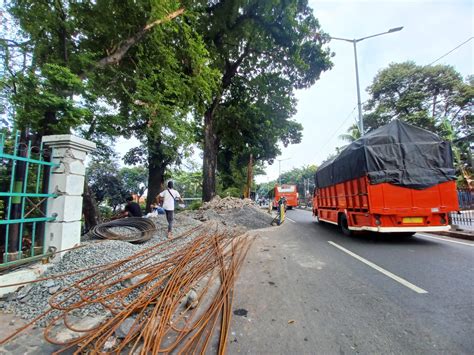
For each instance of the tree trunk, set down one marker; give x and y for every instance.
(89, 208)
(209, 164)
(156, 171)
(211, 142)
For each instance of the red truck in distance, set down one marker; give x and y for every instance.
(396, 179)
(289, 192)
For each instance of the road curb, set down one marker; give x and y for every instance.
(456, 234)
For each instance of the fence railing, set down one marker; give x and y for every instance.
(464, 219)
(189, 200)
(25, 171)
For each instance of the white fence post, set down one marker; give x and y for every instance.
(67, 181)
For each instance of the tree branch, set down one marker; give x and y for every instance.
(120, 52)
(14, 43)
(231, 68)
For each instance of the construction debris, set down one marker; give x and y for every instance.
(232, 212)
(227, 203)
(148, 315)
(114, 296)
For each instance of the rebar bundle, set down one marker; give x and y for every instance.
(149, 291)
(132, 229)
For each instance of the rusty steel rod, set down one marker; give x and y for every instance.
(164, 275)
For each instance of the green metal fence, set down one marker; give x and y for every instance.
(25, 170)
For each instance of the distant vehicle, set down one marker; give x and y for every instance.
(289, 192)
(395, 179)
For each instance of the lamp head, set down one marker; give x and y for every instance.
(396, 29)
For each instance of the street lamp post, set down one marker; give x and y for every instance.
(354, 42)
(279, 169)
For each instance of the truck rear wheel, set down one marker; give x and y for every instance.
(344, 225)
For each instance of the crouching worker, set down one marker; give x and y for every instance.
(167, 199)
(132, 209)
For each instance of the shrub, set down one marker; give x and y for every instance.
(195, 205)
(106, 212)
(231, 191)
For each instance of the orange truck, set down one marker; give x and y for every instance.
(396, 179)
(289, 192)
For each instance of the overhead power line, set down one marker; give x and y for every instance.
(452, 50)
(337, 130)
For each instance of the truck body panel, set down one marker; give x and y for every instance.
(385, 207)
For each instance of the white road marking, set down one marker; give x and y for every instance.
(444, 239)
(378, 268)
(288, 218)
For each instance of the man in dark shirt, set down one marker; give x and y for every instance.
(132, 209)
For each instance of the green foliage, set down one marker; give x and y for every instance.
(195, 205)
(134, 179)
(264, 104)
(67, 66)
(105, 212)
(188, 183)
(48, 91)
(232, 192)
(421, 95)
(169, 81)
(264, 187)
(353, 134)
(105, 183)
(106, 76)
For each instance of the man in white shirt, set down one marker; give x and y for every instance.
(167, 200)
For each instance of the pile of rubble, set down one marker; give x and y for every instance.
(31, 300)
(227, 203)
(114, 296)
(232, 212)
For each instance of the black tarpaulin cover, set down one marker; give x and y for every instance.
(397, 153)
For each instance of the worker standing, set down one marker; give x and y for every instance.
(167, 199)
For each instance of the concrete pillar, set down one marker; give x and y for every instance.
(67, 181)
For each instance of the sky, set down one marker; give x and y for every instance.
(328, 108)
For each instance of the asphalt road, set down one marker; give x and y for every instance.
(307, 289)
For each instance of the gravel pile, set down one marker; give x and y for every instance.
(232, 212)
(227, 203)
(182, 223)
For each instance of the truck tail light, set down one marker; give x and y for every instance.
(377, 220)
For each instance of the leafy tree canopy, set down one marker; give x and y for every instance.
(105, 183)
(252, 43)
(425, 96)
(134, 179)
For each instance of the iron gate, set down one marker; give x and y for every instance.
(25, 170)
